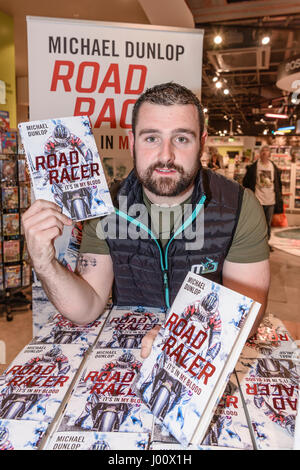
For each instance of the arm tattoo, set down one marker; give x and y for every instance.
(85, 263)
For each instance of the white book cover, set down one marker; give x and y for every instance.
(35, 383)
(42, 309)
(126, 326)
(103, 399)
(60, 330)
(65, 166)
(93, 440)
(272, 339)
(21, 435)
(194, 355)
(270, 388)
(228, 428)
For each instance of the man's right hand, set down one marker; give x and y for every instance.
(43, 222)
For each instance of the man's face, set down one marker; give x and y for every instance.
(166, 148)
(265, 154)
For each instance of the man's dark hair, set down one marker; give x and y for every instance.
(168, 94)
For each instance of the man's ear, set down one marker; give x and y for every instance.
(203, 139)
(131, 141)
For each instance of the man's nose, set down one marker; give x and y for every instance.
(166, 151)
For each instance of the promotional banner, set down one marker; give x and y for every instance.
(81, 67)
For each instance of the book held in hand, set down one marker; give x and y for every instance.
(65, 166)
(193, 356)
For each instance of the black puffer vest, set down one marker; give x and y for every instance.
(145, 273)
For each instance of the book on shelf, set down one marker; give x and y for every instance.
(11, 251)
(65, 166)
(12, 276)
(8, 171)
(10, 198)
(9, 141)
(194, 355)
(10, 224)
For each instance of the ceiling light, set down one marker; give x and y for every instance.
(265, 39)
(286, 129)
(265, 131)
(205, 110)
(270, 105)
(215, 79)
(226, 91)
(218, 39)
(277, 116)
(219, 84)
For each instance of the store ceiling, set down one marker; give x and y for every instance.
(250, 74)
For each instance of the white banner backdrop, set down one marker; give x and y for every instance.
(100, 69)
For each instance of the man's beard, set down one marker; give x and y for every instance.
(167, 185)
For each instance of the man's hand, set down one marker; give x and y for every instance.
(43, 222)
(147, 341)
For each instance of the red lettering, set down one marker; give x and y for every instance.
(231, 400)
(58, 75)
(178, 329)
(177, 352)
(181, 362)
(109, 106)
(95, 170)
(251, 389)
(91, 376)
(84, 112)
(96, 67)
(171, 341)
(40, 162)
(129, 90)
(53, 176)
(202, 337)
(123, 142)
(172, 321)
(74, 157)
(113, 71)
(207, 371)
(195, 363)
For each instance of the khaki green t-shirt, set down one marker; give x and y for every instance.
(249, 243)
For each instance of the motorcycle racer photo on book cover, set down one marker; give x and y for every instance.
(65, 166)
(104, 400)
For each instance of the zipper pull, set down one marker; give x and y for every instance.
(166, 279)
(166, 286)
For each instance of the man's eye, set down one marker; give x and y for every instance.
(151, 139)
(181, 139)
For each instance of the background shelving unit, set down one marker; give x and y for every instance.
(15, 270)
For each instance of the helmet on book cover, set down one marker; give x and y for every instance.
(210, 302)
(61, 133)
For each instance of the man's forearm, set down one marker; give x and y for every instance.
(72, 296)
